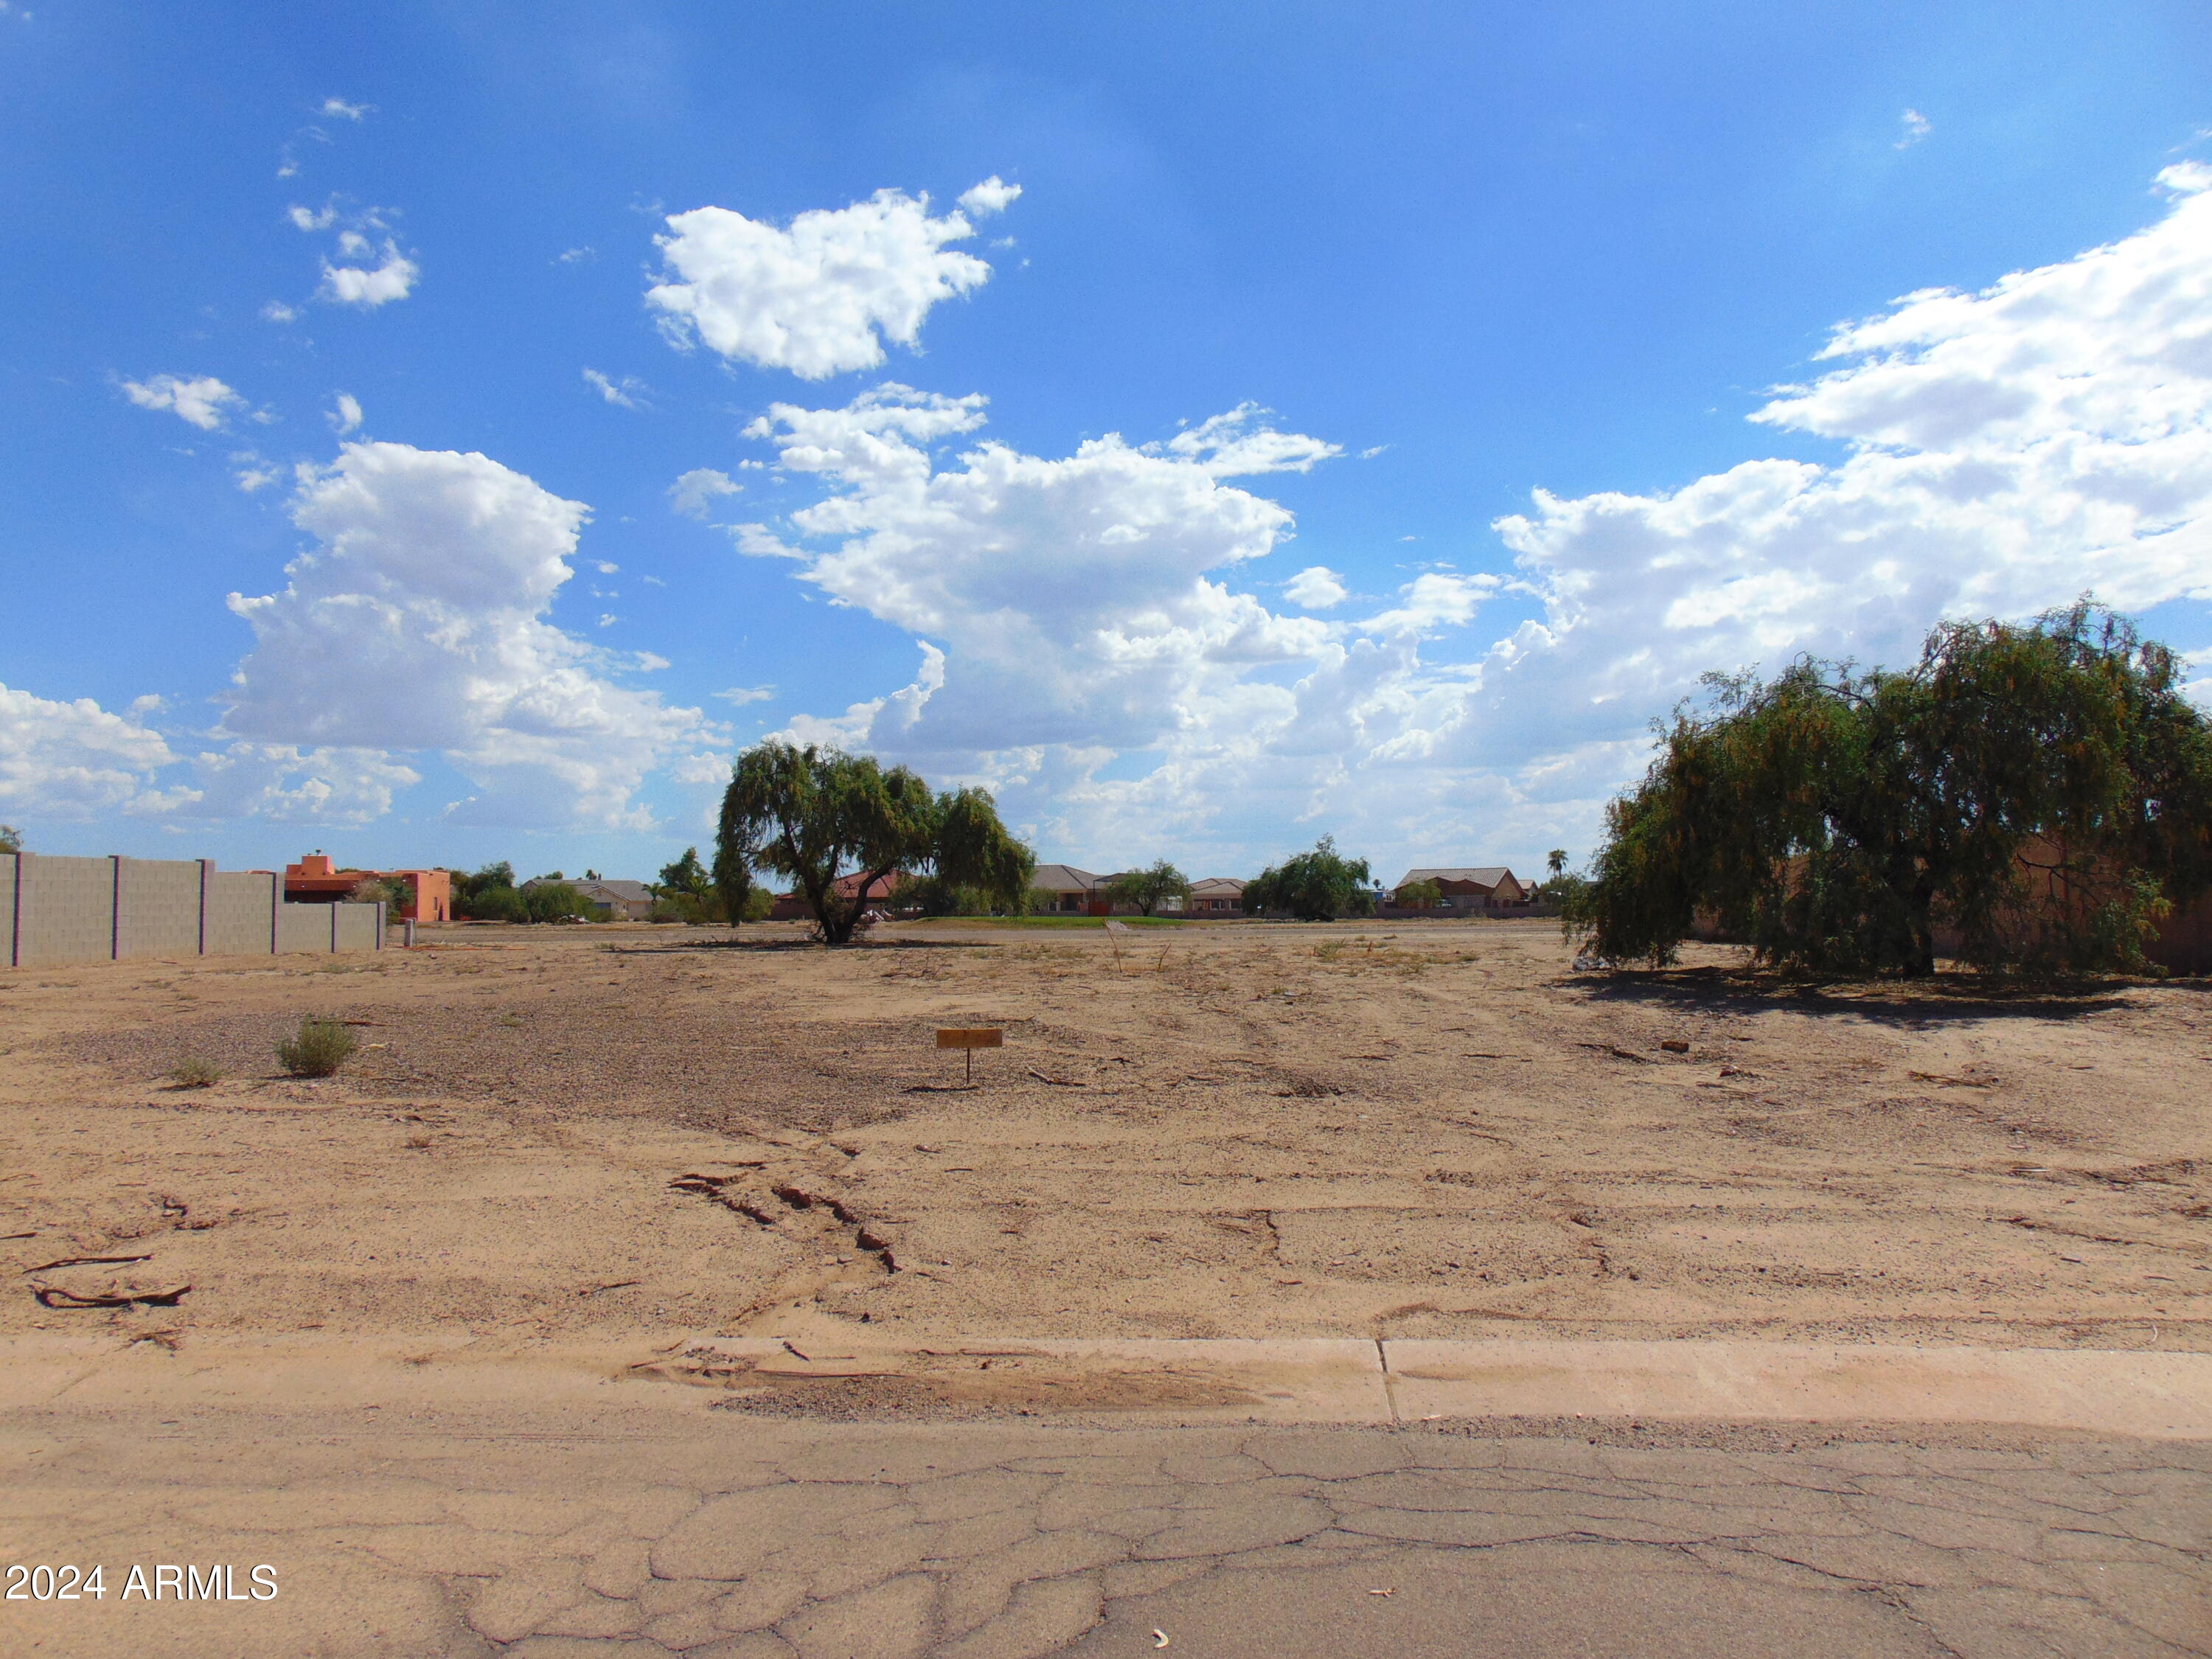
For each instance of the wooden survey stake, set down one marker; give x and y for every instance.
(971, 1037)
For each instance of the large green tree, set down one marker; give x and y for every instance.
(1150, 888)
(487, 894)
(1316, 887)
(814, 815)
(2043, 792)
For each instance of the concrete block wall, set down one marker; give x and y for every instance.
(55, 911)
(241, 913)
(65, 910)
(303, 927)
(356, 927)
(157, 907)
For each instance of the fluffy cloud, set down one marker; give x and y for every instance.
(76, 760)
(340, 110)
(1088, 653)
(692, 494)
(254, 471)
(293, 785)
(993, 195)
(200, 400)
(1073, 594)
(345, 416)
(1228, 446)
(820, 297)
(418, 622)
(2009, 449)
(1076, 610)
(1316, 588)
(392, 277)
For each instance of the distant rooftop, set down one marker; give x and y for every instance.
(1486, 875)
(1063, 879)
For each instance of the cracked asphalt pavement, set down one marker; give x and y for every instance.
(538, 1535)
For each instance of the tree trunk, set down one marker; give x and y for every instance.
(836, 919)
(1924, 929)
(841, 931)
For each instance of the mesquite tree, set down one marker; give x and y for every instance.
(1150, 888)
(1316, 887)
(2043, 794)
(817, 815)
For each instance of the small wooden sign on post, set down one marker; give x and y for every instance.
(970, 1038)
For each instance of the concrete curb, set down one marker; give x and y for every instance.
(1297, 1380)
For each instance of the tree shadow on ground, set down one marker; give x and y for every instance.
(1920, 1002)
(695, 947)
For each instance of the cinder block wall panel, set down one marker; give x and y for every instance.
(157, 908)
(238, 913)
(54, 911)
(65, 911)
(356, 926)
(303, 927)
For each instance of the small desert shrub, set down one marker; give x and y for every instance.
(195, 1075)
(321, 1048)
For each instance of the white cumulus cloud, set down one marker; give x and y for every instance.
(418, 622)
(1229, 447)
(289, 784)
(993, 195)
(1316, 588)
(1071, 610)
(392, 277)
(76, 760)
(694, 493)
(345, 414)
(820, 296)
(2004, 450)
(200, 400)
(2009, 449)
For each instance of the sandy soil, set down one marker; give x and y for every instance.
(1239, 1130)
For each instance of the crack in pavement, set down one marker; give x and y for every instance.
(782, 1536)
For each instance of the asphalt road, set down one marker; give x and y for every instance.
(536, 1534)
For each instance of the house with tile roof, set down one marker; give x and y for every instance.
(1462, 890)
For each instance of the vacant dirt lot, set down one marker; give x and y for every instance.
(608, 1133)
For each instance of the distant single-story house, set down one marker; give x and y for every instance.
(1216, 896)
(792, 906)
(1073, 892)
(624, 901)
(617, 901)
(1069, 891)
(1102, 906)
(1464, 890)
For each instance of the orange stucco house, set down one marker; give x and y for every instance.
(313, 880)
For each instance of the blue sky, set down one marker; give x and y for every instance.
(334, 297)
